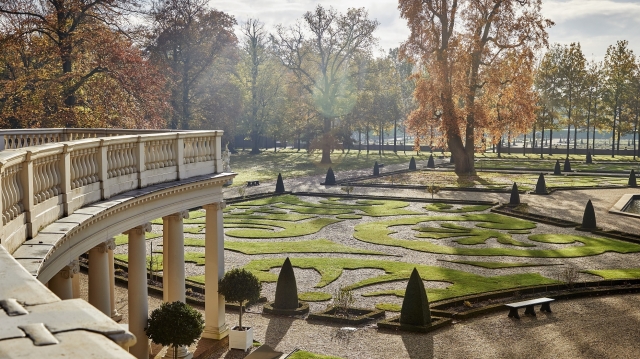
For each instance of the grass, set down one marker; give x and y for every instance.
(302, 354)
(314, 296)
(468, 236)
(622, 273)
(124, 239)
(379, 233)
(499, 265)
(266, 165)
(390, 307)
(289, 229)
(463, 283)
(311, 246)
(448, 208)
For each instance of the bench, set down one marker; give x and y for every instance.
(253, 183)
(528, 304)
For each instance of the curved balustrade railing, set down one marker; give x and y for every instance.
(41, 184)
(15, 139)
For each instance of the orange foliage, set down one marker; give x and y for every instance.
(476, 61)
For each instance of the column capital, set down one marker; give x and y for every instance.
(178, 215)
(110, 243)
(70, 269)
(140, 230)
(215, 206)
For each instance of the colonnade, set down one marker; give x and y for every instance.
(65, 283)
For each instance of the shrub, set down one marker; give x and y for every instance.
(589, 217)
(330, 178)
(430, 163)
(541, 185)
(632, 179)
(279, 184)
(567, 165)
(556, 169)
(240, 286)
(376, 169)
(175, 324)
(412, 164)
(347, 189)
(589, 159)
(286, 288)
(433, 189)
(415, 306)
(515, 196)
(343, 299)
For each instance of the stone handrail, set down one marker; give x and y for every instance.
(41, 184)
(19, 138)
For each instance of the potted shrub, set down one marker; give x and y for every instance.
(174, 325)
(242, 287)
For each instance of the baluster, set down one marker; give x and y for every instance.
(36, 183)
(93, 178)
(5, 199)
(118, 161)
(130, 160)
(48, 178)
(73, 171)
(152, 156)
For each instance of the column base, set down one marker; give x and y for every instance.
(216, 333)
(183, 353)
(116, 317)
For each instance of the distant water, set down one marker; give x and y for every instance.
(634, 206)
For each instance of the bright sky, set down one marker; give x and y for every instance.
(596, 24)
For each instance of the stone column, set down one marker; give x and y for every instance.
(175, 257)
(112, 287)
(62, 283)
(215, 325)
(138, 292)
(173, 254)
(99, 291)
(76, 286)
(166, 229)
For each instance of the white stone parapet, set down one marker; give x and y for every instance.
(71, 168)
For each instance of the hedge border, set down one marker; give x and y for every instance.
(394, 324)
(303, 308)
(369, 314)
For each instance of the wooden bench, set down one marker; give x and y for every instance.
(528, 304)
(253, 183)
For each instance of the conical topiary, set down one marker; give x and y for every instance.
(279, 184)
(515, 196)
(556, 169)
(430, 163)
(330, 179)
(412, 164)
(632, 179)
(541, 186)
(376, 169)
(415, 306)
(589, 217)
(286, 288)
(567, 165)
(589, 159)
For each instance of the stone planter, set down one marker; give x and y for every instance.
(356, 316)
(241, 339)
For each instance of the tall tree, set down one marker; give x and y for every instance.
(456, 41)
(319, 52)
(70, 63)
(593, 88)
(619, 64)
(572, 72)
(547, 84)
(187, 37)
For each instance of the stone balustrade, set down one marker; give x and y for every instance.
(15, 139)
(71, 168)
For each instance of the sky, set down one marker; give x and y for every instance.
(596, 24)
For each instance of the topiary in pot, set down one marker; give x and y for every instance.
(175, 324)
(556, 169)
(240, 286)
(589, 159)
(515, 196)
(415, 306)
(430, 163)
(412, 164)
(541, 186)
(376, 169)
(589, 217)
(632, 179)
(279, 184)
(567, 165)
(330, 178)
(286, 288)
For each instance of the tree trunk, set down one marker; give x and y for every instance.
(568, 138)
(255, 143)
(500, 147)
(613, 135)
(395, 134)
(326, 145)
(524, 146)
(550, 141)
(542, 143)
(367, 138)
(575, 138)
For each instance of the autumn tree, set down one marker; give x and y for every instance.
(619, 65)
(593, 96)
(71, 63)
(547, 85)
(457, 42)
(319, 52)
(187, 38)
